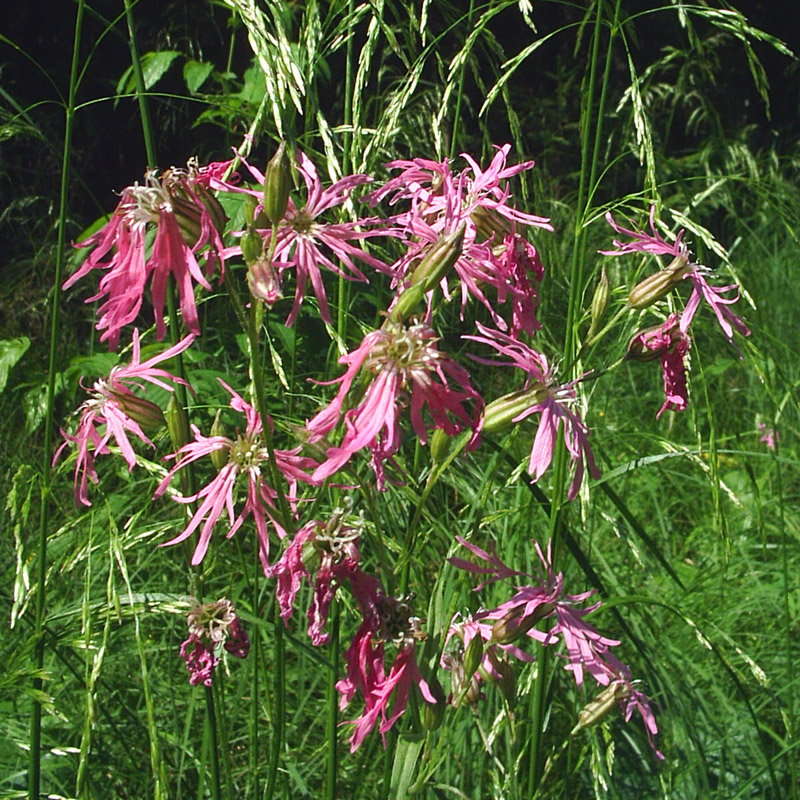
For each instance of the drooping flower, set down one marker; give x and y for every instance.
(407, 368)
(247, 457)
(188, 221)
(212, 628)
(540, 395)
(670, 345)
(385, 620)
(330, 548)
(655, 244)
(544, 612)
(113, 411)
(305, 242)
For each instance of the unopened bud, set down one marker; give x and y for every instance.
(146, 414)
(597, 709)
(440, 446)
(264, 282)
(513, 625)
(252, 246)
(501, 413)
(277, 184)
(177, 423)
(489, 224)
(219, 458)
(473, 655)
(433, 713)
(602, 294)
(439, 259)
(660, 283)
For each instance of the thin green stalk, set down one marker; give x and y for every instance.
(332, 701)
(460, 92)
(34, 764)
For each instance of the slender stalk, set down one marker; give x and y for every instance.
(35, 764)
(332, 712)
(460, 92)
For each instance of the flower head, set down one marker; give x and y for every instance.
(540, 395)
(187, 219)
(406, 368)
(247, 457)
(113, 410)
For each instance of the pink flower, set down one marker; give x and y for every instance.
(187, 218)
(304, 242)
(587, 649)
(332, 549)
(405, 364)
(655, 244)
(113, 405)
(247, 455)
(386, 619)
(768, 435)
(212, 627)
(671, 345)
(543, 396)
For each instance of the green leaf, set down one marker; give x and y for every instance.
(195, 74)
(11, 351)
(154, 65)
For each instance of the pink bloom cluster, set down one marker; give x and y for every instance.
(586, 648)
(212, 627)
(495, 251)
(114, 411)
(247, 457)
(188, 221)
(405, 363)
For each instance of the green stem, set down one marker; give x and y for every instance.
(460, 92)
(35, 765)
(279, 711)
(141, 90)
(332, 713)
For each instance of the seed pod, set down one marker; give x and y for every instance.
(489, 224)
(500, 413)
(602, 294)
(219, 458)
(439, 259)
(510, 627)
(597, 709)
(473, 655)
(145, 413)
(277, 184)
(660, 283)
(177, 423)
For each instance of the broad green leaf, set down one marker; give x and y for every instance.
(195, 74)
(11, 351)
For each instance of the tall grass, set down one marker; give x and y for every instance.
(689, 538)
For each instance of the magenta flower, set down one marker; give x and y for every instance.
(386, 619)
(655, 244)
(187, 218)
(768, 435)
(114, 411)
(247, 457)
(212, 628)
(405, 364)
(587, 649)
(671, 345)
(329, 548)
(540, 395)
(305, 243)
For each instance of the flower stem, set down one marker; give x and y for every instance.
(34, 764)
(332, 712)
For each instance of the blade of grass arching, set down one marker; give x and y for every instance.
(34, 766)
(117, 554)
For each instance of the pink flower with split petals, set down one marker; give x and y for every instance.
(545, 600)
(670, 344)
(540, 395)
(247, 457)
(188, 221)
(655, 244)
(330, 548)
(405, 364)
(305, 243)
(386, 620)
(114, 411)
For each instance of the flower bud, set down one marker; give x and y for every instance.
(177, 423)
(597, 709)
(264, 282)
(433, 713)
(513, 625)
(500, 414)
(146, 414)
(219, 458)
(277, 183)
(218, 216)
(252, 246)
(602, 294)
(440, 446)
(439, 259)
(489, 224)
(473, 655)
(660, 283)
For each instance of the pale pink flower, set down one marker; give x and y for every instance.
(247, 457)
(655, 244)
(330, 549)
(305, 242)
(768, 435)
(670, 344)
(188, 221)
(114, 411)
(407, 369)
(553, 401)
(386, 620)
(212, 628)
(587, 649)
